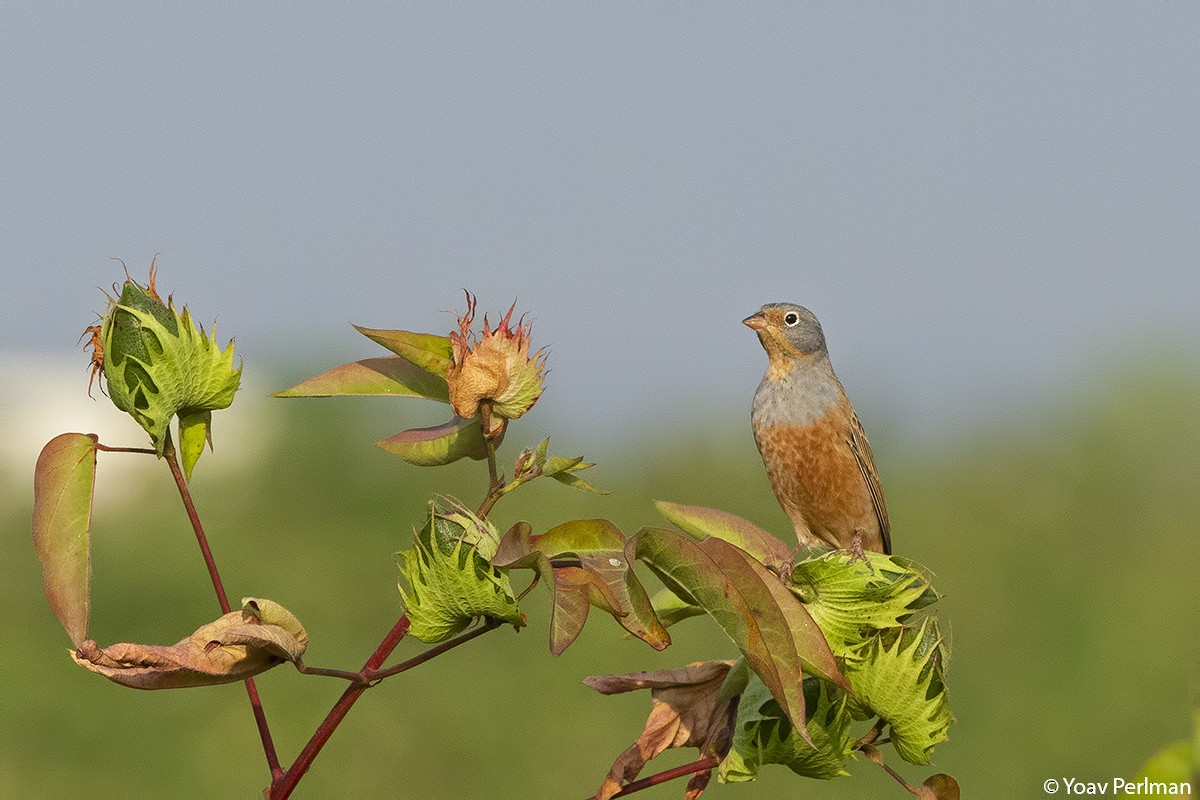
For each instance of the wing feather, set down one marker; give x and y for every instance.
(857, 439)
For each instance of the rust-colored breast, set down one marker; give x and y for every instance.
(819, 482)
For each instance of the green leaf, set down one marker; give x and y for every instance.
(63, 481)
(446, 584)
(429, 352)
(575, 482)
(539, 456)
(587, 563)
(851, 598)
(766, 622)
(388, 376)
(194, 431)
(898, 674)
(764, 735)
(670, 608)
(556, 464)
(700, 523)
(441, 444)
(563, 470)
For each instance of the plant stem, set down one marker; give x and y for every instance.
(872, 753)
(706, 763)
(871, 736)
(260, 716)
(205, 550)
(362, 680)
(146, 450)
(283, 787)
(375, 675)
(495, 482)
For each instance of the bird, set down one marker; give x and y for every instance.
(813, 447)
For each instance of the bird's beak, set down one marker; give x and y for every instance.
(755, 321)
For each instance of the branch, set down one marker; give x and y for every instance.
(872, 753)
(145, 450)
(706, 763)
(495, 482)
(368, 676)
(205, 550)
(374, 676)
(260, 716)
(283, 787)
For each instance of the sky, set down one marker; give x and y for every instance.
(981, 203)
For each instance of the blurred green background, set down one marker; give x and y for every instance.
(1063, 536)
(971, 197)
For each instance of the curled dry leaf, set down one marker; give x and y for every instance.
(234, 647)
(687, 710)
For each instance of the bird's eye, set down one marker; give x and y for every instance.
(791, 319)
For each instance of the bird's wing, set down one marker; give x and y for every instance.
(857, 439)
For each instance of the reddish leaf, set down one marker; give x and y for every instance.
(766, 622)
(63, 482)
(587, 564)
(429, 352)
(700, 523)
(389, 376)
(441, 444)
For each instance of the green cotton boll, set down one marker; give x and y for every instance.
(899, 675)
(852, 598)
(158, 364)
(764, 735)
(446, 584)
(457, 521)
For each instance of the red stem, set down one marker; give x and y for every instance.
(703, 764)
(282, 788)
(205, 550)
(260, 716)
(371, 672)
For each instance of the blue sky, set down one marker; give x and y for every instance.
(979, 203)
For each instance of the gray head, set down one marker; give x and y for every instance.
(787, 331)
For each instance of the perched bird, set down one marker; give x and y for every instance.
(811, 441)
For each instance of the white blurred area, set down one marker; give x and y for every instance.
(43, 396)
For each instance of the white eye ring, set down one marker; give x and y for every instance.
(791, 319)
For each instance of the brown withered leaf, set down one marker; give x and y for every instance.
(233, 647)
(941, 786)
(687, 710)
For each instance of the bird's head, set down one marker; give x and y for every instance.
(787, 332)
